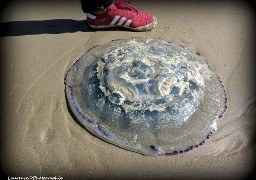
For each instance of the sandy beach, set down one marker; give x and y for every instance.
(40, 40)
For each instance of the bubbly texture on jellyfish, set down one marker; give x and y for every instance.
(146, 95)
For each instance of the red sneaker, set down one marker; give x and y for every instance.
(122, 15)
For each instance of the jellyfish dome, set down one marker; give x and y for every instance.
(146, 95)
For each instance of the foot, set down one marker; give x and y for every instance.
(122, 15)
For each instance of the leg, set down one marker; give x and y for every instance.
(89, 6)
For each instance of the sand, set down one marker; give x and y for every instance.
(39, 137)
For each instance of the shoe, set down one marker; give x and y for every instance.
(122, 15)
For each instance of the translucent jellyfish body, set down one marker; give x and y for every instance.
(146, 95)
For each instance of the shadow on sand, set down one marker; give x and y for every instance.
(53, 26)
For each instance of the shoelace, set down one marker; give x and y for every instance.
(125, 4)
(123, 1)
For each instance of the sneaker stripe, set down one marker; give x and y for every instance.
(88, 15)
(121, 21)
(128, 23)
(115, 20)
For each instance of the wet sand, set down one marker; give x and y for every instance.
(39, 136)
